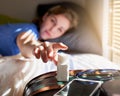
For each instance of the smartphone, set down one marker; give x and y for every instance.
(79, 87)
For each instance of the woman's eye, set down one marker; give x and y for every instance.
(60, 30)
(53, 21)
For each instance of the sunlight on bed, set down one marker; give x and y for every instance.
(92, 61)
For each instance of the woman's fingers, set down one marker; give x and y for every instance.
(60, 46)
(27, 37)
(48, 51)
(26, 34)
(55, 58)
(57, 47)
(53, 48)
(43, 54)
(36, 52)
(40, 52)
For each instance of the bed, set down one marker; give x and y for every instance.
(17, 71)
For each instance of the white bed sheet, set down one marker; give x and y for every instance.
(16, 72)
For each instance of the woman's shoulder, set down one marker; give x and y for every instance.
(19, 27)
(19, 24)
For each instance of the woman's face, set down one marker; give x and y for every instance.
(54, 26)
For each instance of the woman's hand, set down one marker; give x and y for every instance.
(45, 50)
(48, 51)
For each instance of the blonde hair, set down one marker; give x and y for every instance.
(70, 14)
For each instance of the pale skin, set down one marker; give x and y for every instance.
(53, 26)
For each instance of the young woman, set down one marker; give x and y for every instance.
(25, 38)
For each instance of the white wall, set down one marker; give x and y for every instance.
(25, 9)
(80, 2)
(95, 10)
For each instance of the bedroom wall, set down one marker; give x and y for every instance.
(80, 2)
(95, 10)
(25, 9)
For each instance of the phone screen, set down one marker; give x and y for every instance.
(79, 87)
